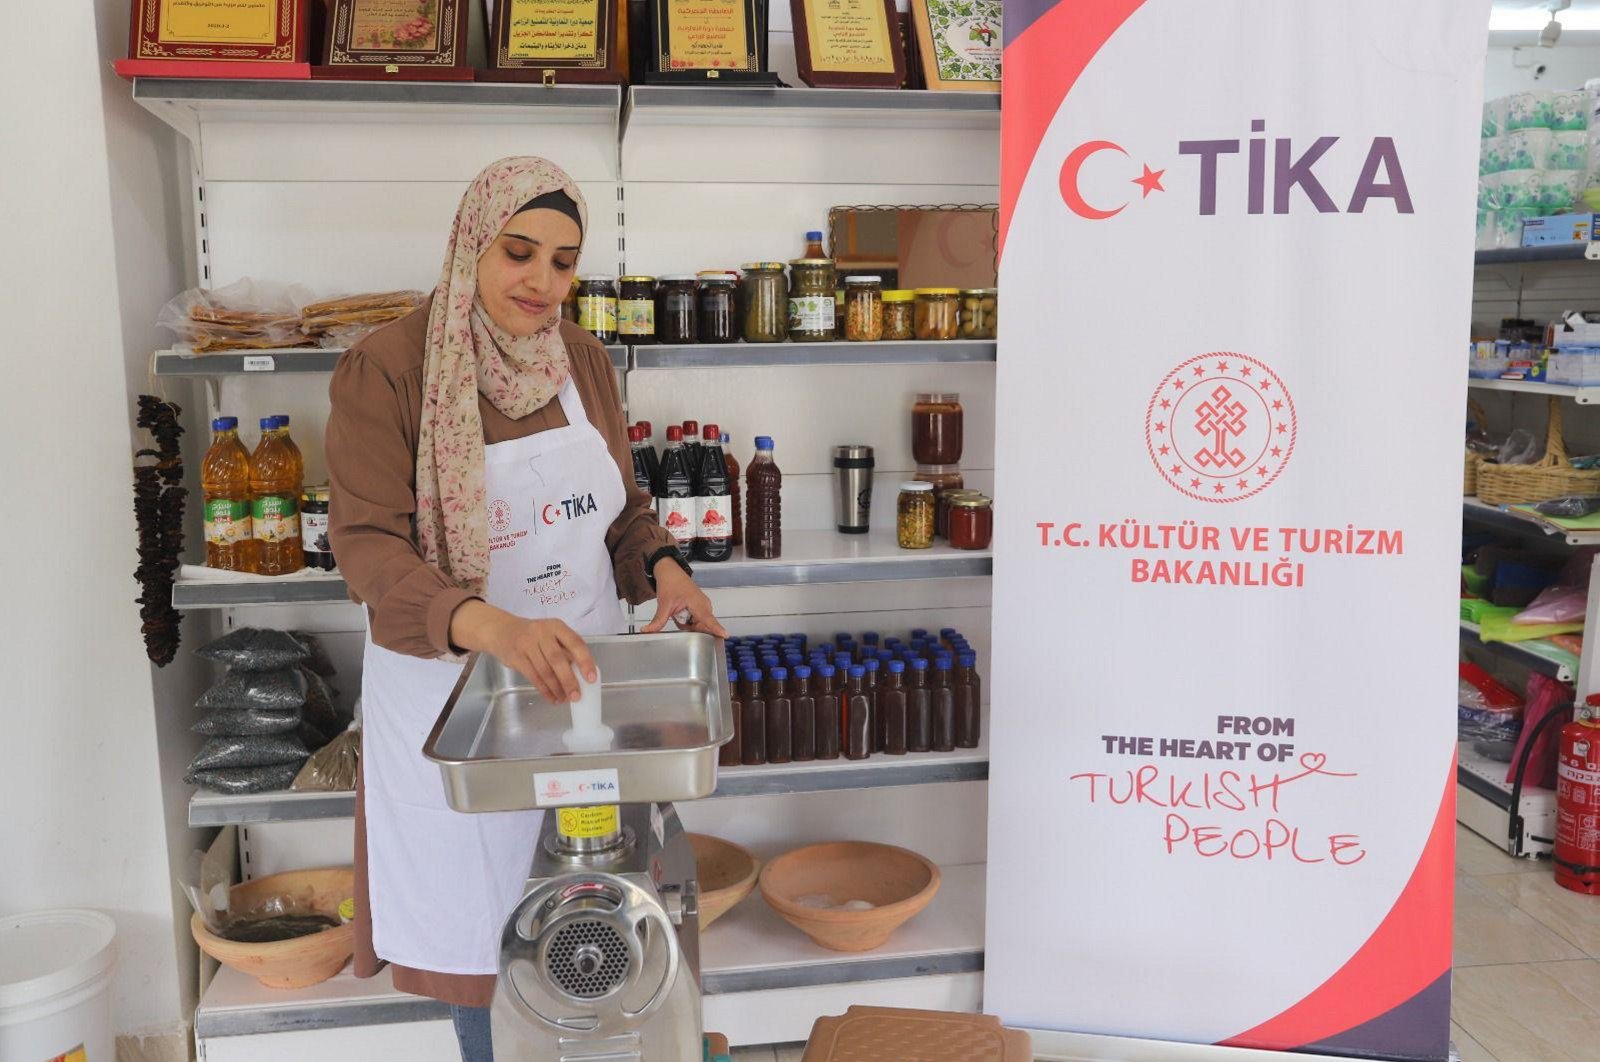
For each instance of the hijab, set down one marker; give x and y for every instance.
(468, 355)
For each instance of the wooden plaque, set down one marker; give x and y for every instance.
(395, 40)
(959, 42)
(272, 32)
(848, 43)
(556, 42)
(708, 42)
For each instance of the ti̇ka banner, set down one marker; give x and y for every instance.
(1236, 255)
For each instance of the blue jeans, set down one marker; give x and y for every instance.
(472, 1033)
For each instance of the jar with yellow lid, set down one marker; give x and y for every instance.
(899, 320)
(765, 303)
(979, 313)
(937, 313)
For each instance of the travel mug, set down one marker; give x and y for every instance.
(852, 475)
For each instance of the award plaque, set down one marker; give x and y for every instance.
(208, 38)
(556, 42)
(960, 43)
(848, 43)
(709, 42)
(395, 40)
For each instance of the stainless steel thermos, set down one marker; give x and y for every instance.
(852, 477)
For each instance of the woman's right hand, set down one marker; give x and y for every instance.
(542, 650)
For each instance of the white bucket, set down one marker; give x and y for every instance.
(55, 981)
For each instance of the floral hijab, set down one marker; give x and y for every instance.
(468, 355)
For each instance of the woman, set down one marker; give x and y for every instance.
(483, 499)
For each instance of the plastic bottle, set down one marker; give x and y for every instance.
(713, 497)
(275, 503)
(297, 459)
(641, 467)
(675, 492)
(763, 519)
(754, 746)
(803, 715)
(857, 717)
(874, 725)
(652, 458)
(734, 489)
(814, 245)
(827, 728)
(919, 709)
(944, 705)
(728, 755)
(892, 708)
(225, 479)
(691, 444)
(780, 712)
(968, 702)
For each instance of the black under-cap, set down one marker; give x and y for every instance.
(557, 200)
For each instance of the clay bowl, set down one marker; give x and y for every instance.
(727, 875)
(898, 882)
(288, 963)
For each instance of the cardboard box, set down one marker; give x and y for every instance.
(1559, 228)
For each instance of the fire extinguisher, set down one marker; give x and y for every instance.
(1577, 849)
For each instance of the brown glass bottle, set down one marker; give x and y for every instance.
(728, 755)
(827, 716)
(968, 702)
(874, 723)
(780, 712)
(944, 706)
(803, 715)
(753, 748)
(919, 709)
(892, 709)
(857, 717)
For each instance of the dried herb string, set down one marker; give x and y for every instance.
(158, 501)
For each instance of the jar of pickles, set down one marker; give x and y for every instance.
(914, 515)
(971, 521)
(719, 319)
(597, 306)
(979, 312)
(937, 313)
(766, 303)
(636, 309)
(863, 309)
(899, 318)
(677, 310)
(936, 428)
(811, 299)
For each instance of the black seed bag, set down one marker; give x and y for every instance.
(254, 649)
(245, 779)
(247, 721)
(264, 750)
(274, 691)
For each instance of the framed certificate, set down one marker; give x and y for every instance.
(709, 42)
(556, 41)
(848, 43)
(399, 40)
(271, 32)
(959, 42)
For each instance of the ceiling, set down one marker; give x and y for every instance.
(1533, 14)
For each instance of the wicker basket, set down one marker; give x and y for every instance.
(1552, 476)
(1469, 477)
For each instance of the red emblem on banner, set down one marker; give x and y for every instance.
(499, 515)
(1221, 427)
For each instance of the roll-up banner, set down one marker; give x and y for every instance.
(1237, 266)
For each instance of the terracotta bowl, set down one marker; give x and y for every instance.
(898, 883)
(727, 875)
(288, 963)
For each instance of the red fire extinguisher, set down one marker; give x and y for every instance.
(1577, 849)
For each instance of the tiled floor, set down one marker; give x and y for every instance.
(1527, 985)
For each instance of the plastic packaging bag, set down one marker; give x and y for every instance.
(254, 649)
(1521, 448)
(320, 710)
(205, 882)
(261, 750)
(1545, 695)
(271, 690)
(245, 315)
(1571, 507)
(1567, 599)
(333, 768)
(247, 721)
(245, 779)
(319, 661)
(344, 321)
(1485, 709)
(1569, 151)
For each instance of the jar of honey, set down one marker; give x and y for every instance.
(597, 306)
(936, 428)
(971, 521)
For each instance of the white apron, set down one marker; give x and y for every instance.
(441, 883)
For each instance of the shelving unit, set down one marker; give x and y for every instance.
(1584, 396)
(287, 360)
(1556, 252)
(758, 355)
(303, 589)
(1483, 804)
(1504, 519)
(1538, 654)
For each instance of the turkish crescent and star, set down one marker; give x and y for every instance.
(1148, 181)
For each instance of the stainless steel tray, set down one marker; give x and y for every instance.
(498, 740)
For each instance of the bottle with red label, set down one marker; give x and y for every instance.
(713, 539)
(641, 466)
(675, 500)
(1577, 847)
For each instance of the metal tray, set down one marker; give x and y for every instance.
(665, 696)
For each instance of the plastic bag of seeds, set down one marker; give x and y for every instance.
(332, 769)
(254, 649)
(247, 721)
(320, 709)
(318, 661)
(272, 690)
(260, 750)
(245, 779)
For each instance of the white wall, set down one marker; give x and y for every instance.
(1567, 66)
(86, 249)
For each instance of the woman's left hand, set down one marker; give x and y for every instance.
(676, 594)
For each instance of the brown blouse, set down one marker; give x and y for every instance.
(371, 451)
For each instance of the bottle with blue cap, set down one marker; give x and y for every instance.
(728, 754)
(763, 518)
(753, 748)
(225, 483)
(968, 702)
(857, 717)
(780, 711)
(276, 472)
(802, 715)
(919, 708)
(827, 717)
(874, 670)
(892, 708)
(943, 698)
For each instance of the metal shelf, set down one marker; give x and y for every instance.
(1554, 252)
(1584, 396)
(1519, 524)
(1538, 655)
(287, 360)
(749, 949)
(260, 590)
(728, 355)
(674, 104)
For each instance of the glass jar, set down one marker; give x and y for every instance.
(946, 480)
(636, 309)
(677, 310)
(863, 309)
(979, 313)
(914, 515)
(811, 299)
(938, 313)
(899, 318)
(718, 308)
(971, 521)
(597, 306)
(766, 303)
(936, 428)
(314, 528)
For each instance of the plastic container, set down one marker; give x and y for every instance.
(225, 479)
(55, 985)
(275, 506)
(763, 517)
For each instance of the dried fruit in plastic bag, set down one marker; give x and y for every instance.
(261, 750)
(272, 690)
(318, 661)
(247, 721)
(320, 711)
(333, 768)
(254, 649)
(245, 779)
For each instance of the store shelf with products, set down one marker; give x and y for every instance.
(286, 360)
(743, 355)
(1484, 805)
(1584, 396)
(1538, 655)
(1503, 519)
(1555, 252)
(749, 949)
(306, 587)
